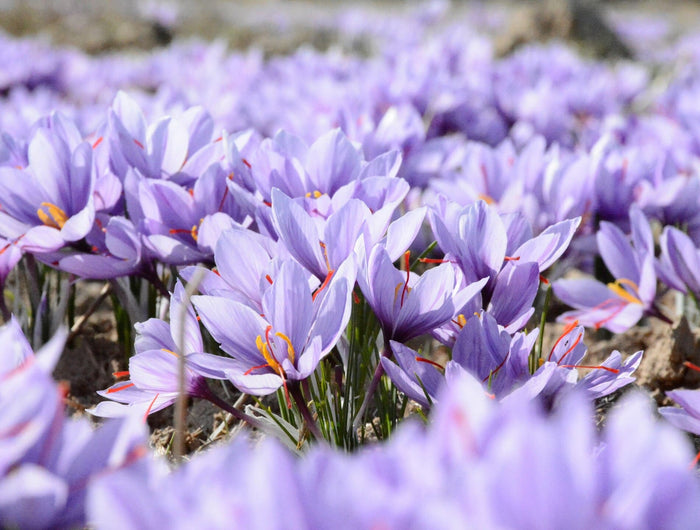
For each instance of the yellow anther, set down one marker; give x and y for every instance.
(540, 361)
(617, 288)
(486, 198)
(262, 348)
(291, 354)
(53, 216)
(462, 320)
(316, 194)
(171, 352)
(325, 254)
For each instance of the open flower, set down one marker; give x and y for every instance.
(286, 342)
(618, 305)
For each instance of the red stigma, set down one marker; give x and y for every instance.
(511, 258)
(599, 367)
(567, 352)
(119, 388)
(433, 260)
(258, 367)
(267, 277)
(355, 298)
(117, 375)
(428, 361)
(97, 142)
(247, 163)
(569, 327)
(138, 143)
(148, 410)
(323, 285)
(407, 266)
(692, 366)
(544, 280)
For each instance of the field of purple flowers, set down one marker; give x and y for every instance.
(381, 272)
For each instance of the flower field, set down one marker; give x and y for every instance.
(412, 280)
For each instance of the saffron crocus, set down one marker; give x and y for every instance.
(679, 262)
(687, 416)
(153, 376)
(620, 304)
(408, 304)
(49, 203)
(558, 371)
(282, 343)
(48, 461)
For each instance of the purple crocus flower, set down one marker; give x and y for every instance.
(408, 304)
(47, 460)
(618, 305)
(281, 343)
(687, 417)
(153, 382)
(49, 203)
(679, 262)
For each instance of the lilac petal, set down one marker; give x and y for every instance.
(217, 314)
(130, 116)
(481, 347)
(243, 274)
(518, 230)
(49, 161)
(334, 308)
(403, 231)
(547, 247)
(122, 240)
(309, 359)
(428, 304)
(81, 181)
(94, 267)
(681, 257)
(183, 316)
(169, 144)
(17, 349)
(404, 383)
(155, 371)
(41, 239)
(255, 384)
(173, 251)
(515, 291)
(616, 251)
(342, 230)
(32, 497)
(599, 382)
(154, 334)
(482, 240)
(688, 399)
(209, 283)
(289, 287)
(332, 161)
(642, 236)
(210, 230)
(212, 366)
(680, 419)
(298, 232)
(581, 293)
(77, 226)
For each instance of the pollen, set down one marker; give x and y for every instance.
(51, 215)
(315, 194)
